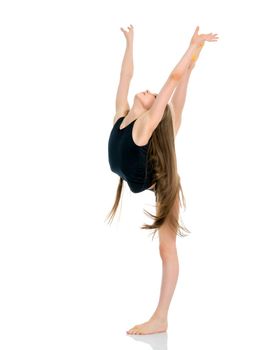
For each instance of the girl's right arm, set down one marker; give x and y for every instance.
(197, 40)
(155, 113)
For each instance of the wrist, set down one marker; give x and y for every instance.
(129, 42)
(193, 44)
(197, 44)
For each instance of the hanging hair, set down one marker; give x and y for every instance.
(162, 158)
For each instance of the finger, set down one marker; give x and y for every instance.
(196, 31)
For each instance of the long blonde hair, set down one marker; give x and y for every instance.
(162, 156)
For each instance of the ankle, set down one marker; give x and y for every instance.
(197, 53)
(159, 316)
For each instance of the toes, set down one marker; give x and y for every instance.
(132, 330)
(137, 330)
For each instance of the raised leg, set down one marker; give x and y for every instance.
(195, 56)
(179, 96)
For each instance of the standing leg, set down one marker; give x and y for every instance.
(170, 271)
(170, 265)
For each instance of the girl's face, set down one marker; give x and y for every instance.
(147, 98)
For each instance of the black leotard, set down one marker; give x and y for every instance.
(129, 160)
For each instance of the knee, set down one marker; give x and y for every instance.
(167, 251)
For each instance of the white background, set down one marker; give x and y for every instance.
(68, 279)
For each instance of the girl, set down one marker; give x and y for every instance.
(141, 151)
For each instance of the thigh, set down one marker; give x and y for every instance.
(177, 127)
(167, 234)
(152, 188)
(176, 120)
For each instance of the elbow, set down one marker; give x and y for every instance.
(175, 75)
(127, 73)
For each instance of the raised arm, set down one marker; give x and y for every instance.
(178, 99)
(179, 96)
(155, 113)
(176, 79)
(122, 106)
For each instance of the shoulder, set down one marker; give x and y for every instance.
(147, 125)
(142, 130)
(119, 115)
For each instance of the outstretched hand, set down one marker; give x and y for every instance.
(199, 39)
(128, 35)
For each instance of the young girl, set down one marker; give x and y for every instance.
(141, 151)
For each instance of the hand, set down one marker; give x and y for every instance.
(129, 34)
(199, 39)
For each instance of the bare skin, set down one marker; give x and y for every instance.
(158, 322)
(170, 271)
(170, 267)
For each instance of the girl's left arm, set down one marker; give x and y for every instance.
(122, 105)
(127, 63)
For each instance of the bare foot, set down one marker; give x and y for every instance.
(154, 325)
